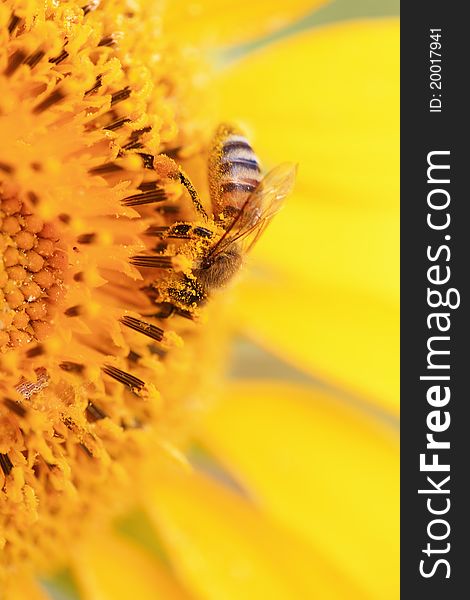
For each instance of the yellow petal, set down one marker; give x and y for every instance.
(226, 549)
(109, 568)
(321, 467)
(25, 587)
(345, 336)
(321, 245)
(327, 99)
(226, 22)
(331, 257)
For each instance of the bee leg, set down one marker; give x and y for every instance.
(192, 192)
(166, 310)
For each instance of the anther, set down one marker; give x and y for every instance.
(34, 59)
(86, 238)
(36, 351)
(150, 197)
(151, 331)
(90, 7)
(16, 59)
(72, 367)
(117, 124)
(147, 160)
(121, 95)
(15, 407)
(85, 449)
(156, 262)
(13, 24)
(146, 186)
(95, 86)
(5, 463)
(134, 383)
(94, 412)
(133, 356)
(52, 99)
(60, 58)
(6, 168)
(110, 167)
(108, 40)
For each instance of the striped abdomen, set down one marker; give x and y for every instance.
(238, 172)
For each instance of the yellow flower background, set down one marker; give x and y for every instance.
(290, 485)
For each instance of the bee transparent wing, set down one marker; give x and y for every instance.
(259, 208)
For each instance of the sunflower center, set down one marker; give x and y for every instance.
(30, 274)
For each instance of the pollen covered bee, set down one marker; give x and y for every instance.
(243, 202)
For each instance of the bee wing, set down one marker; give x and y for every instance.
(259, 208)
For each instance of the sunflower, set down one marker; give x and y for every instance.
(125, 461)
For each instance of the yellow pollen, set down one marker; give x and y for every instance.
(94, 368)
(26, 302)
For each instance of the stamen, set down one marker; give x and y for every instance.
(117, 124)
(60, 58)
(156, 262)
(134, 142)
(147, 160)
(86, 238)
(95, 412)
(8, 169)
(36, 351)
(85, 449)
(71, 367)
(124, 378)
(33, 198)
(12, 25)
(108, 40)
(5, 463)
(156, 230)
(150, 197)
(33, 59)
(91, 6)
(15, 407)
(157, 351)
(171, 209)
(133, 146)
(160, 248)
(55, 97)
(110, 167)
(135, 135)
(121, 95)
(96, 85)
(151, 331)
(16, 59)
(146, 186)
(173, 152)
(133, 356)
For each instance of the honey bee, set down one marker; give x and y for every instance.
(243, 202)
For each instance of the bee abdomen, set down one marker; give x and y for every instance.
(240, 170)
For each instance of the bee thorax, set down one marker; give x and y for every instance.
(217, 271)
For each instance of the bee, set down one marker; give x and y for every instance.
(243, 202)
